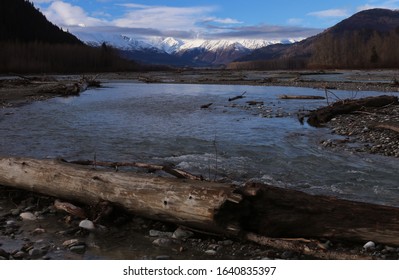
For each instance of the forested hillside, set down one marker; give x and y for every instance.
(368, 39)
(30, 43)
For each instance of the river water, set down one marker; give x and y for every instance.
(163, 123)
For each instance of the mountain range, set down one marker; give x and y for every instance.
(178, 52)
(30, 43)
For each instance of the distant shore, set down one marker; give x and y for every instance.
(16, 90)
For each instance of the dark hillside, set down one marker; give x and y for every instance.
(21, 21)
(29, 43)
(368, 39)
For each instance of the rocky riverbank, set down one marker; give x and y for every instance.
(31, 227)
(367, 131)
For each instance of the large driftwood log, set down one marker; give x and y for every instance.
(214, 207)
(325, 114)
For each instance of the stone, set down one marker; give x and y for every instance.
(369, 246)
(182, 234)
(157, 233)
(162, 242)
(35, 253)
(164, 257)
(28, 216)
(70, 242)
(210, 252)
(87, 224)
(78, 249)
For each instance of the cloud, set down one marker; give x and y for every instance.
(270, 32)
(167, 21)
(162, 17)
(332, 13)
(294, 21)
(65, 15)
(222, 20)
(393, 4)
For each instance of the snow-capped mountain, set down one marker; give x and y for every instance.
(195, 52)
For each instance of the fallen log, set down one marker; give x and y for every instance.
(392, 127)
(208, 206)
(314, 97)
(152, 167)
(238, 96)
(325, 114)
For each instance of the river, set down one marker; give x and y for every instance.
(164, 123)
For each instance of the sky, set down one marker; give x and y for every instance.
(205, 19)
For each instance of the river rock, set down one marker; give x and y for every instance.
(163, 242)
(369, 246)
(210, 252)
(28, 216)
(78, 249)
(182, 234)
(157, 233)
(4, 254)
(35, 253)
(87, 224)
(70, 242)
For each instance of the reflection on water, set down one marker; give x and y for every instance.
(160, 123)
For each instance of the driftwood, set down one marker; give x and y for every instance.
(220, 208)
(392, 127)
(206, 106)
(325, 114)
(315, 97)
(255, 103)
(238, 96)
(151, 167)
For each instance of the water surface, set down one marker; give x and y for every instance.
(163, 123)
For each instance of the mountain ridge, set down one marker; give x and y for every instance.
(367, 39)
(185, 52)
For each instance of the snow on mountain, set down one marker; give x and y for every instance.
(169, 45)
(158, 50)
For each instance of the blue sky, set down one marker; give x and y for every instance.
(205, 19)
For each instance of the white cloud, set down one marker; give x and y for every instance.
(295, 21)
(331, 13)
(392, 4)
(65, 14)
(222, 20)
(163, 17)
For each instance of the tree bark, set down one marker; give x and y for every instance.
(325, 114)
(314, 97)
(208, 206)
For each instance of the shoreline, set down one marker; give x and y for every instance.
(18, 90)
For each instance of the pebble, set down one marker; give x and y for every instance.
(182, 234)
(163, 242)
(70, 242)
(87, 224)
(78, 249)
(226, 242)
(19, 255)
(157, 233)
(39, 231)
(4, 254)
(15, 212)
(165, 257)
(210, 252)
(369, 245)
(35, 253)
(28, 216)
